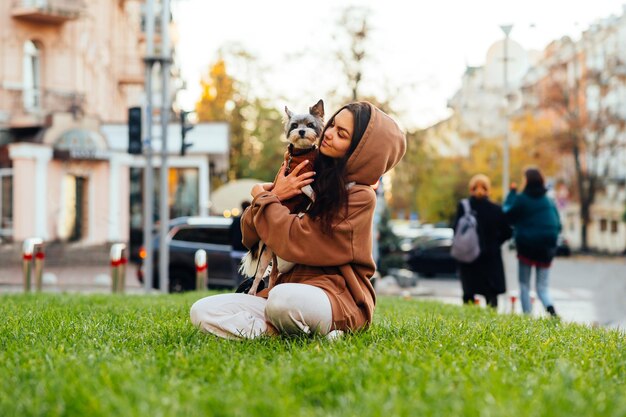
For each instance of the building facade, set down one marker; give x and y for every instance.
(481, 103)
(580, 86)
(69, 73)
(591, 74)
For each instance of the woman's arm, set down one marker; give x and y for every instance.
(504, 228)
(510, 208)
(284, 188)
(300, 239)
(558, 217)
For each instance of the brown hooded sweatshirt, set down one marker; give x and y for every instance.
(340, 263)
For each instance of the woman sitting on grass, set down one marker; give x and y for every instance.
(329, 291)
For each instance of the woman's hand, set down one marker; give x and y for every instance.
(260, 188)
(291, 185)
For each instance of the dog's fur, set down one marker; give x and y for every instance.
(303, 132)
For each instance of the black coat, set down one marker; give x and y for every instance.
(234, 233)
(486, 274)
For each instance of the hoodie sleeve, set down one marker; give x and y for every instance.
(510, 208)
(557, 217)
(300, 239)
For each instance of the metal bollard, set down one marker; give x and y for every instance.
(202, 270)
(32, 249)
(118, 267)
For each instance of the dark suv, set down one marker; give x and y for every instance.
(188, 234)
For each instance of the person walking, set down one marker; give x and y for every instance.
(485, 275)
(234, 231)
(328, 291)
(536, 227)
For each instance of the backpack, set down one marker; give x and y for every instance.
(465, 244)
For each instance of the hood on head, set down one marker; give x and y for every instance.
(382, 146)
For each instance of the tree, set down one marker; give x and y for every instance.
(388, 245)
(535, 146)
(218, 89)
(262, 140)
(354, 21)
(406, 179)
(426, 183)
(584, 125)
(256, 148)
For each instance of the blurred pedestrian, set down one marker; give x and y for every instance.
(235, 229)
(485, 275)
(536, 227)
(238, 250)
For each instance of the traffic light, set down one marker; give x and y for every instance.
(184, 128)
(134, 131)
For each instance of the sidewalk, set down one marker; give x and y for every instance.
(574, 306)
(87, 279)
(585, 290)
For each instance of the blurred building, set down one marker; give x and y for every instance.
(587, 81)
(480, 104)
(593, 71)
(70, 70)
(448, 138)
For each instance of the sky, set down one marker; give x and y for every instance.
(417, 52)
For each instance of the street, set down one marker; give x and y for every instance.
(585, 289)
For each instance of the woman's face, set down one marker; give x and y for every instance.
(338, 135)
(479, 190)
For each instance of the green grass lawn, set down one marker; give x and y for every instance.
(109, 355)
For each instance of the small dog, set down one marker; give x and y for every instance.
(303, 132)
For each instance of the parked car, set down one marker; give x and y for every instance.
(187, 235)
(430, 255)
(562, 246)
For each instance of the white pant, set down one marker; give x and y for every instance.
(291, 308)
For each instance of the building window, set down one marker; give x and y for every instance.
(31, 76)
(75, 208)
(614, 226)
(603, 225)
(184, 194)
(6, 204)
(571, 220)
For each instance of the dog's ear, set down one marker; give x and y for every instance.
(317, 109)
(288, 112)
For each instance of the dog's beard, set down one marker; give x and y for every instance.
(310, 138)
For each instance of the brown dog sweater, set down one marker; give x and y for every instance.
(293, 157)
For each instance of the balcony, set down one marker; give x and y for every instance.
(29, 108)
(54, 12)
(131, 69)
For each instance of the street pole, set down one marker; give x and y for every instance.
(505, 152)
(165, 118)
(148, 173)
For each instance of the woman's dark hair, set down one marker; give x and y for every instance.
(330, 181)
(535, 184)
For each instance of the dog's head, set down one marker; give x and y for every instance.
(304, 130)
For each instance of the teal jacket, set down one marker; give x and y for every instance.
(534, 218)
